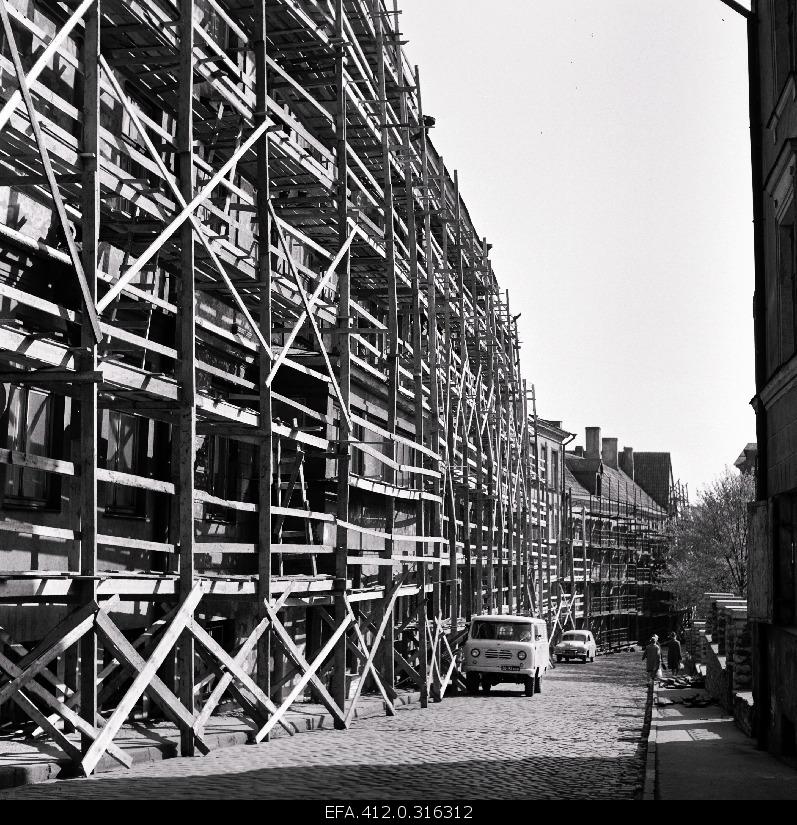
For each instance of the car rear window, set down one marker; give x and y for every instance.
(574, 637)
(504, 631)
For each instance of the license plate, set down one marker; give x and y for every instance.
(510, 667)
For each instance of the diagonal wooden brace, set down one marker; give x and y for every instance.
(67, 632)
(129, 657)
(361, 652)
(88, 302)
(152, 250)
(145, 676)
(404, 665)
(172, 184)
(308, 313)
(48, 726)
(390, 598)
(61, 709)
(311, 301)
(293, 652)
(43, 59)
(234, 668)
(308, 676)
(62, 629)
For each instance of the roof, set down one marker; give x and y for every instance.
(494, 617)
(554, 428)
(653, 472)
(747, 456)
(616, 486)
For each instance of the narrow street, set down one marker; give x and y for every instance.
(579, 739)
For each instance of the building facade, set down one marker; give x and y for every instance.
(260, 392)
(619, 516)
(772, 596)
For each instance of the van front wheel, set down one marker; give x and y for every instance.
(528, 685)
(486, 684)
(472, 683)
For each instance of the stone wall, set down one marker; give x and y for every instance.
(723, 646)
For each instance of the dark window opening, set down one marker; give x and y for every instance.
(125, 452)
(29, 427)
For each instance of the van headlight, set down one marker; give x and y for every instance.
(475, 652)
(521, 654)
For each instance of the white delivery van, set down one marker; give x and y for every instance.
(506, 649)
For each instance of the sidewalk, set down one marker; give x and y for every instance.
(699, 753)
(25, 761)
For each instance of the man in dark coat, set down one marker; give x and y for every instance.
(652, 657)
(674, 655)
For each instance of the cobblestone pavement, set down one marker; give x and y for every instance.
(580, 738)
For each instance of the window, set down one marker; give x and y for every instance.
(125, 440)
(786, 297)
(29, 418)
(225, 468)
(785, 552)
(357, 461)
(554, 474)
(503, 631)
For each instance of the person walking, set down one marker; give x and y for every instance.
(652, 658)
(674, 655)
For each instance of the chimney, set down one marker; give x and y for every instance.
(579, 451)
(627, 462)
(593, 449)
(609, 452)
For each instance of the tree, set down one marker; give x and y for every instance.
(709, 552)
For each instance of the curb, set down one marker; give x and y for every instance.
(649, 788)
(12, 776)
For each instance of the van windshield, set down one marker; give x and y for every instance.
(504, 631)
(574, 637)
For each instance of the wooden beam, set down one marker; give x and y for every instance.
(62, 710)
(43, 60)
(293, 652)
(66, 226)
(308, 675)
(343, 268)
(173, 185)
(235, 670)
(144, 678)
(387, 616)
(130, 658)
(88, 363)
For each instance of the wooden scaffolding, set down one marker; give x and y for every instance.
(264, 430)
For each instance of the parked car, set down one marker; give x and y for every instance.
(506, 649)
(576, 644)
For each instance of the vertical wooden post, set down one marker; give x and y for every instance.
(491, 455)
(186, 307)
(499, 455)
(453, 423)
(477, 271)
(538, 502)
(431, 346)
(265, 452)
(344, 361)
(440, 405)
(467, 597)
(90, 181)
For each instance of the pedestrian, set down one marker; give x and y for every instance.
(674, 655)
(652, 657)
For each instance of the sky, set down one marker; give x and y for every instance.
(603, 149)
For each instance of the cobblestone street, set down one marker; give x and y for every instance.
(579, 739)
